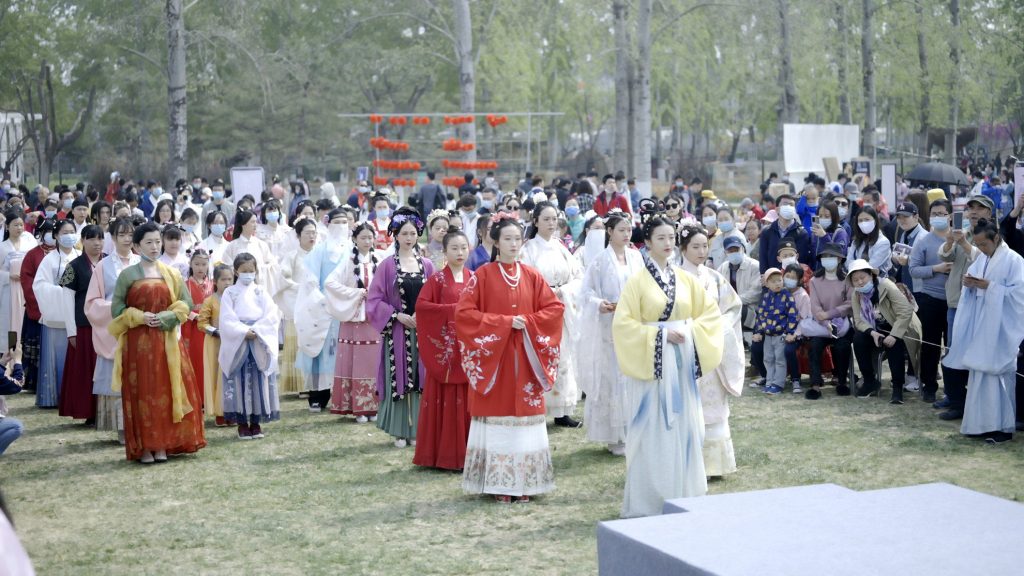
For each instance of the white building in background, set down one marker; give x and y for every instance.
(11, 133)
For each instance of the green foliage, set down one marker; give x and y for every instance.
(267, 78)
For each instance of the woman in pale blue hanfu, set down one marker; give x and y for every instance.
(662, 315)
(317, 331)
(987, 334)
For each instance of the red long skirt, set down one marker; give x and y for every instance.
(443, 426)
(76, 398)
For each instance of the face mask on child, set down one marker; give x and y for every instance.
(789, 283)
(246, 278)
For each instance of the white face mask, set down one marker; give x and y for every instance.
(246, 278)
(735, 258)
(843, 210)
(830, 263)
(339, 232)
(788, 212)
(709, 221)
(786, 262)
(595, 238)
(867, 226)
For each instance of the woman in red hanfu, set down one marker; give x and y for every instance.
(509, 328)
(444, 414)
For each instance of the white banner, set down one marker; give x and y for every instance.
(805, 146)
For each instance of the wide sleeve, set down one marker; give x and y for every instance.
(379, 310)
(482, 336)
(124, 317)
(634, 341)
(232, 331)
(708, 334)
(28, 275)
(205, 320)
(49, 293)
(5, 265)
(344, 303)
(542, 336)
(177, 313)
(435, 332)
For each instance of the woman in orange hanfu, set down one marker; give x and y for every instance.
(509, 327)
(162, 409)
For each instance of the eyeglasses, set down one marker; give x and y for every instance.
(672, 205)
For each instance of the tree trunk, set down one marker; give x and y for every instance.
(926, 88)
(177, 107)
(790, 103)
(954, 84)
(642, 91)
(467, 70)
(620, 154)
(867, 55)
(845, 116)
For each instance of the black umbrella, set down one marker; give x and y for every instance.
(938, 173)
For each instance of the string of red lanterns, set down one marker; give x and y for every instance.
(458, 165)
(396, 165)
(496, 121)
(456, 145)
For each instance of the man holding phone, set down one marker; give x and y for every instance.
(958, 250)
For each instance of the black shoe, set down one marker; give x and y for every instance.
(952, 414)
(944, 403)
(842, 390)
(868, 391)
(897, 394)
(812, 394)
(567, 422)
(998, 437)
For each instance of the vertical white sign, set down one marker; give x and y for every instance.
(889, 185)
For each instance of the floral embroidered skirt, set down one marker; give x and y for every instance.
(508, 455)
(355, 372)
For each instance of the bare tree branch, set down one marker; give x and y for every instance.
(671, 21)
(480, 36)
(79, 126)
(189, 5)
(153, 61)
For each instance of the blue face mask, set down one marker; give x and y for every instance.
(825, 223)
(188, 228)
(146, 258)
(68, 240)
(218, 194)
(50, 214)
(726, 226)
(488, 204)
(383, 214)
(709, 221)
(939, 222)
(572, 211)
(273, 216)
(867, 288)
(217, 229)
(830, 263)
(246, 278)
(789, 283)
(68, 203)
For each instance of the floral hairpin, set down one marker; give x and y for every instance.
(437, 213)
(400, 219)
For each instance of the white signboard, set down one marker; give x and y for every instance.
(805, 145)
(889, 185)
(247, 181)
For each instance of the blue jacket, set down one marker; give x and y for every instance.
(770, 238)
(994, 193)
(777, 314)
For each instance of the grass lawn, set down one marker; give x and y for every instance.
(323, 495)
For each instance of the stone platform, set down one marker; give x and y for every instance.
(821, 530)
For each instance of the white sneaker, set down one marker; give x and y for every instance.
(373, 418)
(314, 408)
(913, 384)
(400, 443)
(412, 443)
(796, 387)
(617, 449)
(361, 420)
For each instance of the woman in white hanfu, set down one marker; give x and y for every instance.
(561, 270)
(662, 316)
(727, 380)
(596, 366)
(987, 334)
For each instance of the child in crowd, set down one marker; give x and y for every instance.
(775, 325)
(793, 280)
(199, 287)
(248, 353)
(11, 380)
(173, 255)
(209, 320)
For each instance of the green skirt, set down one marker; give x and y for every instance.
(399, 417)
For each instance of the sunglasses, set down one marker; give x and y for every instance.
(672, 205)
(513, 207)
(842, 203)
